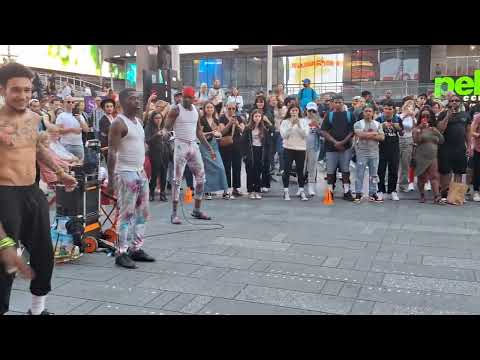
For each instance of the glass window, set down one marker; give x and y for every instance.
(365, 65)
(195, 77)
(307, 68)
(410, 64)
(274, 71)
(227, 71)
(451, 66)
(399, 64)
(263, 62)
(239, 75)
(254, 71)
(473, 64)
(186, 68)
(462, 66)
(390, 64)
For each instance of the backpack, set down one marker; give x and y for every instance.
(349, 117)
(300, 94)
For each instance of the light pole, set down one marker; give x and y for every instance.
(269, 67)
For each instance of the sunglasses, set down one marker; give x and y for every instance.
(312, 110)
(455, 100)
(231, 108)
(69, 102)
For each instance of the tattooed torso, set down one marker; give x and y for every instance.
(18, 146)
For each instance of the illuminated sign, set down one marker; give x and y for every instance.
(467, 87)
(80, 59)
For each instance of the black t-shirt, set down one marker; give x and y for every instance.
(456, 129)
(338, 129)
(104, 125)
(236, 136)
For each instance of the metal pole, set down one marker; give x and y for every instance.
(269, 67)
(176, 60)
(111, 77)
(101, 66)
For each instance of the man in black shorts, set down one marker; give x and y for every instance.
(24, 214)
(452, 154)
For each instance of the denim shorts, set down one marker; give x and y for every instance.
(341, 160)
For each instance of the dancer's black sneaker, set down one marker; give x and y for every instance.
(348, 196)
(125, 261)
(141, 256)
(44, 312)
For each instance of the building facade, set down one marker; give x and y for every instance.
(332, 69)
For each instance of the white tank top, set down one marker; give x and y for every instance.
(131, 151)
(185, 126)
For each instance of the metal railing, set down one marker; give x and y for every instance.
(76, 83)
(400, 89)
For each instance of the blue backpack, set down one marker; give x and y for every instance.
(330, 117)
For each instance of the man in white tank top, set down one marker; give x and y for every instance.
(126, 156)
(183, 120)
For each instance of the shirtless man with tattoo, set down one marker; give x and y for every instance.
(24, 214)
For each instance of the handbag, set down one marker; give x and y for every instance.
(227, 140)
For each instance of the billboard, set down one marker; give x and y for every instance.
(468, 87)
(325, 68)
(80, 59)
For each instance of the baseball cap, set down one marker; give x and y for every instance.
(357, 98)
(312, 106)
(306, 81)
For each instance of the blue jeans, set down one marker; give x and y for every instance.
(76, 150)
(321, 154)
(362, 162)
(279, 150)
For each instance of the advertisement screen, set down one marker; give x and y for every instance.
(208, 71)
(325, 68)
(80, 59)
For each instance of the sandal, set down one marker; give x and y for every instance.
(439, 200)
(175, 220)
(201, 216)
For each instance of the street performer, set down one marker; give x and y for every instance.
(24, 213)
(183, 119)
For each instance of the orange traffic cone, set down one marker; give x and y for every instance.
(328, 198)
(187, 198)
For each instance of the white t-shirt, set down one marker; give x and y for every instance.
(69, 122)
(67, 91)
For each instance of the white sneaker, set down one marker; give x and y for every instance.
(311, 192)
(395, 196)
(428, 186)
(286, 196)
(476, 196)
(298, 192)
(380, 196)
(411, 187)
(264, 190)
(251, 196)
(208, 196)
(303, 197)
(258, 196)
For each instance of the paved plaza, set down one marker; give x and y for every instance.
(277, 257)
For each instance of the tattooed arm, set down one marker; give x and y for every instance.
(43, 156)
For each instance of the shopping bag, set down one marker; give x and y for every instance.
(456, 193)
